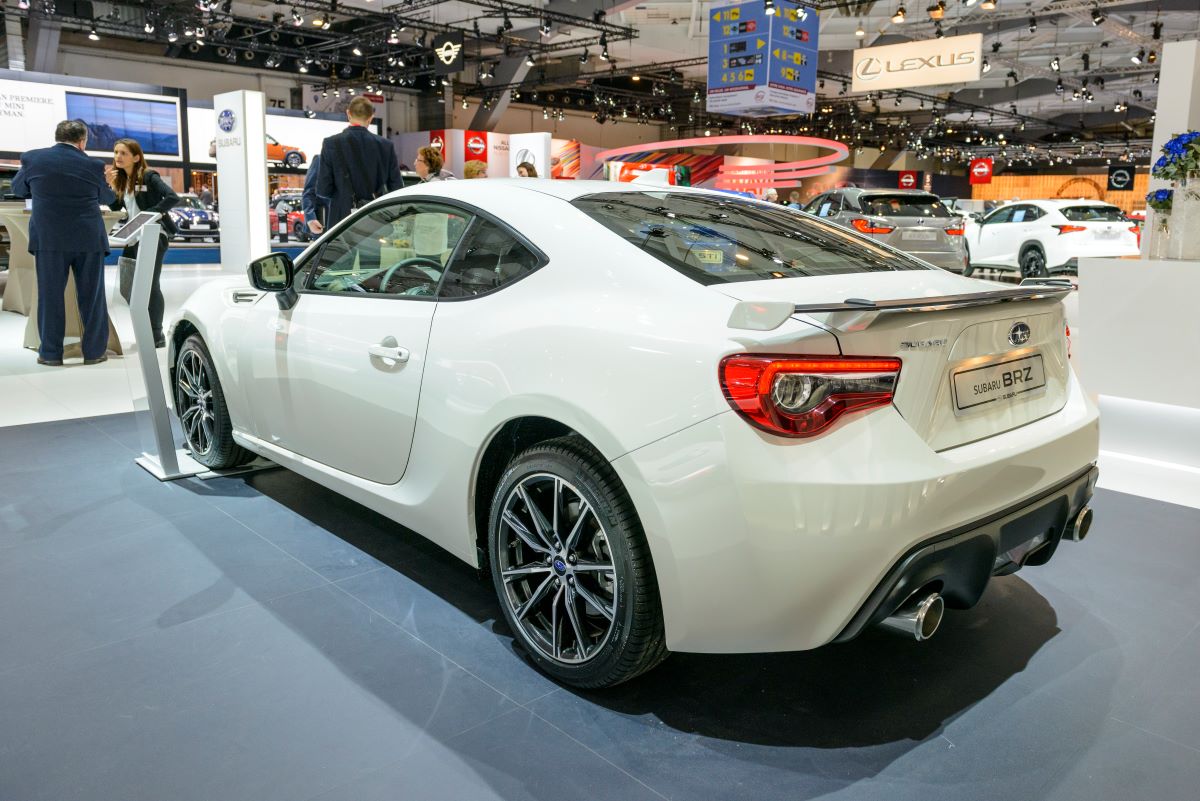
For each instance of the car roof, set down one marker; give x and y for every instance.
(566, 190)
(1058, 203)
(860, 191)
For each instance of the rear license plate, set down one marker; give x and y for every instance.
(1107, 233)
(922, 236)
(199, 226)
(998, 382)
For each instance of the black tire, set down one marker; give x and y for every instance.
(203, 414)
(968, 268)
(611, 650)
(1033, 262)
(300, 232)
(293, 159)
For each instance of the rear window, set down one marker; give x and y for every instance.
(903, 206)
(1093, 214)
(715, 240)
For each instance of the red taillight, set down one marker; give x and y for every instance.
(802, 396)
(955, 231)
(1067, 327)
(1069, 229)
(868, 227)
(1135, 229)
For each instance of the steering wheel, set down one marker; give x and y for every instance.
(413, 265)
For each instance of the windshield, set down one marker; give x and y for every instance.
(715, 240)
(190, 202)
(1093, 214)
(903, 206)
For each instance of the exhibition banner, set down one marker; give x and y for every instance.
(529, 147)
(929, 62)
(762, 64)
(564, 161)
(285, 135)
(981, 171)
(30, 111)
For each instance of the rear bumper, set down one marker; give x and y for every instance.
(947, 260)
(959, 563)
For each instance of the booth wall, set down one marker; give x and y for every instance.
(1090, 185)
(577, 125)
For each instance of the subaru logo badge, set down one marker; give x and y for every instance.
(1019, 334)
(226, 120)
(560, 566)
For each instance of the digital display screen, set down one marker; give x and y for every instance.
(153, 123)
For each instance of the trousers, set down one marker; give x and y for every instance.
(53, 268)
(157, 304)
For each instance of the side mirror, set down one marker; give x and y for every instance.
(976, 216)
(274, 273)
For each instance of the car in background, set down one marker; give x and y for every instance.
(194, 220)
(296, 227)
(276, 152)
(1044, 237)
(913, 221)
(671, 419)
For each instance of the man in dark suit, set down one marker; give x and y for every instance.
(315, 207)
(356, 165)
(66, 233)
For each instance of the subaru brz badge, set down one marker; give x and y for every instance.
(1018, 335)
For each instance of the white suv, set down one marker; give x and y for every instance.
(1038, 237)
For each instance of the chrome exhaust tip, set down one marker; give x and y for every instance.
(919, 619)
(1083, 523)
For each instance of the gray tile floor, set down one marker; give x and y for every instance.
(260, 638)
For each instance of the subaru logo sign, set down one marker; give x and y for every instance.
(1019, 334)
(227, 120)
(560, 566)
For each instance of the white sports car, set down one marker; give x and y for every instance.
(664, 419)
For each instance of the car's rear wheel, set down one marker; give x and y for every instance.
(202, 411)
(293, 159)
(572, 568)
(968, 268)
(1033, 263)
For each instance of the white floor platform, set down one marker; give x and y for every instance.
(31, 393)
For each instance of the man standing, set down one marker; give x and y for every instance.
(66, 233)
(206, 196)
(356, 166)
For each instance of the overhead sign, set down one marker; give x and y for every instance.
(447, 53)
(954, 59)
(762, 65)
(981, 171)
(908, 179)
(1120, 178)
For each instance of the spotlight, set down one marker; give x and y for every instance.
(769, 7)
(1033, 24)
(1139, 56)
(308, 112)
(859, 32)
(1054, 64)
(986, 66)
(1058, 87)
(356, 50)
(899, 16)
(1151, 57)
(583, 57)
(465, 105)
(996, 46)
(1155, 78)
(149, 27)
(319, 20)
(1157, 28)
(544, 29)
(530, 61)
(95, 37)
(937, 10)
(988, 5)
(297, 17)
(393, 37)
(301, 67)
(604, 54)
(1098, 16)
(23, 5)
(172, 36)
(507, 24)
(1087, 62)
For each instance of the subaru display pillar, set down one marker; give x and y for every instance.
(242, 172)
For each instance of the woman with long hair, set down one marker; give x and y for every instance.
(526, 170)
(139, 188)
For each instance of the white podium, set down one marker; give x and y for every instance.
(1140, 340)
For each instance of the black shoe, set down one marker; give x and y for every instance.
(96, 360)
(160, 342)
(50, 362)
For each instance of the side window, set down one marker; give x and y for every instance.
(812, 205)
(489, 258)
(1032, 213)
(828, 205)
(1000, 216)
(401, 249)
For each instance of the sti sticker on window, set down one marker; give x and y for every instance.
(705, 256)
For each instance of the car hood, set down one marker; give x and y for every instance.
(869, 286)
(193, 214)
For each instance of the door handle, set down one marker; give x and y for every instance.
(393, 353)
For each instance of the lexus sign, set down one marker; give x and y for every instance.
(981, 171)
(954, 59)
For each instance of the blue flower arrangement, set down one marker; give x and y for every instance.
(1180, 157)
(1160, 199)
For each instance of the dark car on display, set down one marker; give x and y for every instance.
(916, 222)
(195, 220)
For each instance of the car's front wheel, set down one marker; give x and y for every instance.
(202, 411)
(293, 159)
(572, 568)
(1033, 263)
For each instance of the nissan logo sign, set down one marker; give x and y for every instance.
(908, 180)
(476, 144)
(981, 168)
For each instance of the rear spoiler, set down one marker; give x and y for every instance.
(940, 303)
(769, 315)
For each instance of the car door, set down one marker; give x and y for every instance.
(992, 246)
(337, 377)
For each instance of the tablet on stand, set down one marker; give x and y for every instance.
(131, 231)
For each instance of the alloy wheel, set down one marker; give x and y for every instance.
(195, 399)
(557, 569)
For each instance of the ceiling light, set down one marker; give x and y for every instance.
(530, 61)
(1137, 57)
(988, 5)
(544, 30)
(604, 54)
(1032, 24)
(937, 10)
(23, 5)
(507, 24)
(319, 21)
(172, 36)
(465, 105)
(635, 77)
(583, 57)
(1054, 64)
(356, 50)
(393, 37)
(95, 37)
(769, 7)
(1157, 28)
(301, 66)
(899, 16)
(1098, 16)
(986, 66)
(859, 32)
(1151, 57)
(149, 26)
(297, 17)
(308, 112)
